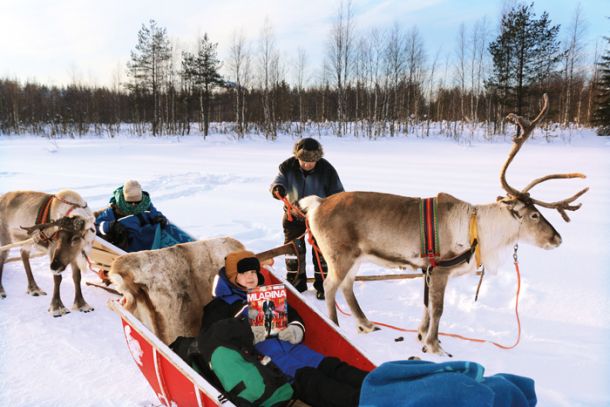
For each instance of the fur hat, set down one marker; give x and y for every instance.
(308, 149)
(132, 191)
(240, 262)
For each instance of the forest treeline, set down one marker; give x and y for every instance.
(379, 82)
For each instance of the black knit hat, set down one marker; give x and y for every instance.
(247, 264)
(308, 149)
(240, 262)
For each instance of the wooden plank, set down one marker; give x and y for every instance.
(386, 277)
(102, 255)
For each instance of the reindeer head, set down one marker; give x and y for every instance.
(65, 244)
(535, 229)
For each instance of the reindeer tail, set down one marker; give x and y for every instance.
(309, 203)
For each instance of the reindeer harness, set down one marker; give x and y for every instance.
(429, 242)
(44, 218)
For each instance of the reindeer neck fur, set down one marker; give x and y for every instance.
(498, 231)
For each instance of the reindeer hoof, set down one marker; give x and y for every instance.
(84, 308)
(419, 337)
(58, 312)
(36, 291)
(436, 349)
(2, 294)
(367, 328)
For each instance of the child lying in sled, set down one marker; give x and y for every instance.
(315, 379)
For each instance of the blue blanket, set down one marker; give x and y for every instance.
(455, 384)
(169, 236)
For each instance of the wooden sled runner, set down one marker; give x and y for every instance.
(177, 384)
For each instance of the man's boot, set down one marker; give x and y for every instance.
(319, 278)
(295, 268)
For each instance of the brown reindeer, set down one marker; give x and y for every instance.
(61, 224)
(353, 227)
(166, 289)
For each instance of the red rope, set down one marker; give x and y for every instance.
(100, 273)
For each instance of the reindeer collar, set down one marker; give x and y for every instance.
(473, 232)
(43, 220)
(44, 212)
(429, 241)
(428, 230)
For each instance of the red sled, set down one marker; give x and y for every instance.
(176, 384)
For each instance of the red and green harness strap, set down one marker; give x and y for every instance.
(428, 230)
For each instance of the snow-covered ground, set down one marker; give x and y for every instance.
(220, 187)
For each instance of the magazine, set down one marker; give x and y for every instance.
(267, 306)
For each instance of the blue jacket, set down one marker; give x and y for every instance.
(322, 181)
(230, 301)
(140, 227)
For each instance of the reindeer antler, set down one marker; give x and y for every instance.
(526, 127)
(74, 224)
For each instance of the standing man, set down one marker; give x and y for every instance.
(304, 174)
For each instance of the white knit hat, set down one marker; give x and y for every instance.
(132, 191)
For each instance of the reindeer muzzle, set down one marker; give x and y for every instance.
(555, 242)
(57, 266)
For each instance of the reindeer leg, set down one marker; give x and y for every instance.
(79, 302)
(57, 308)
(331, 284)
(425, 323)
(3, 256)
(4, 239)
(438, 283)
(338, 267)
(33, 288)
(364, 325)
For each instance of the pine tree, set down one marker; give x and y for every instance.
(601, 115)
(202, 69)
(524, 54)
(149, 66)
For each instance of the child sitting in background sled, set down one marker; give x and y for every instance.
(130, 221)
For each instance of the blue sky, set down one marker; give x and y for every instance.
(60, 41)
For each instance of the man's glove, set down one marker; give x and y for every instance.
(279, 190)
(160, 219)
(117, 230)
(118, 235)
(293, 334)
(260, 334)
